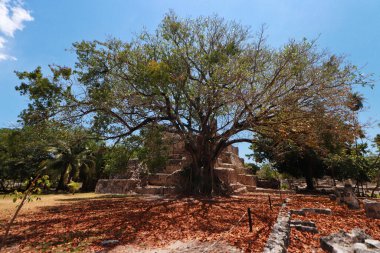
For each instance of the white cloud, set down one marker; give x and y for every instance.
(4, 57)
(2, 42)
(12, 18)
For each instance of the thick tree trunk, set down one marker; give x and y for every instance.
(308, 174)
(61, 183)
(202, 178)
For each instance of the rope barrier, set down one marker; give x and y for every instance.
(233, 226)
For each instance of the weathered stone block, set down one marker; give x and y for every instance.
(372, 243)
(343, 242)
(160, 179)
(226, 175)
(303, 223)
(272, 184)
(372, 209)
(348, 197)
(246, 179)
(118, 186)
(305, 228)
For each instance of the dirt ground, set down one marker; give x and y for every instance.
(83, 223)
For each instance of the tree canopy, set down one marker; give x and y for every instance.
(212, 82)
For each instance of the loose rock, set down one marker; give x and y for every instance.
(372, 209)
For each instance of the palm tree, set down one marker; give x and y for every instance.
(74, 162)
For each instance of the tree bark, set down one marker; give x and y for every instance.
(308, 174)
(61, 183)
(202, 177)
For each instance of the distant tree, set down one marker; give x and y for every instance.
(205, 79)
(21, 152)
(302, 153)
(375, 165)
(72, 158)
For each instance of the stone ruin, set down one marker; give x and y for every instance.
(372, 209)
(229, 169)
(357, 241)
(347, 196)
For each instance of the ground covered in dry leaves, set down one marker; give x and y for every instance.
(81, 225)
(342, 218)
(143, 223)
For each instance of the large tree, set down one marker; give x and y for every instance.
(212, 82)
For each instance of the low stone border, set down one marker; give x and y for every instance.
(278, 240)
(303, 211)
(304, 226)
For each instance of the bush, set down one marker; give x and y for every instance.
(268, 173)
(74, 186)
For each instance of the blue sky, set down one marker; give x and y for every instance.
(38, 32)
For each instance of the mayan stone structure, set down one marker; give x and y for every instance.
(229, 169)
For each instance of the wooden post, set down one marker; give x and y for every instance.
(270, 203)
(249, 219)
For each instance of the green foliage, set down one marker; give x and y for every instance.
(267, 172)
(74, 186)
(66, 153)
(42, 183)
(351, 162)
(118, 156)
(252, 167)
(21, 152)
(206, 80)
(155, 150)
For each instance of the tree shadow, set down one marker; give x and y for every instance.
(132, 220)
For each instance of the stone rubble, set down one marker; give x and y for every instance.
(347, 196)
(372, 209)
(354, 242)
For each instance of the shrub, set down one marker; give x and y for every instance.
(74, 186)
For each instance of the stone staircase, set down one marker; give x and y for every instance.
(229, 169)
(161, 183)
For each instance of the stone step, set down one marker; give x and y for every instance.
(175, 161)
(251, 188)
(241, 190)
(303, 223)
(176, 156)
(247, 179)
(159, 179)
(155, 190)
(227, 175)
(227, 165)
(304, 228)
(236, 186)
(171, 168)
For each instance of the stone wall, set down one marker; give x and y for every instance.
(229, 168)
(117, 186)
